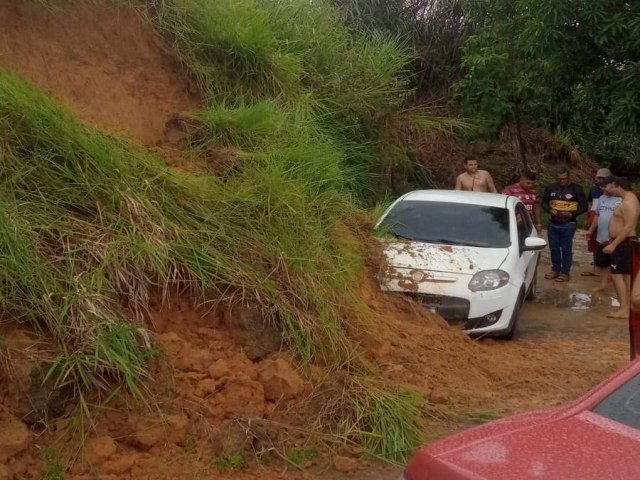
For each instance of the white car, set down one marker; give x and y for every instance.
(469, 256)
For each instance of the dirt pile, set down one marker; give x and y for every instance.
(221, 366)
(104, 62)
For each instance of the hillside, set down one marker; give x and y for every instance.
(188, 283)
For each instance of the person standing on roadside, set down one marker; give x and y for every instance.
(622, 228)
(599, 227)
(595, 192)
(526, 191)
(564, 201)
(475, 180)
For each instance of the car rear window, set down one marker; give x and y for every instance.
(449, 223)
(623, 405)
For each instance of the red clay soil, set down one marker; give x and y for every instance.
(111, 68)
(114, 71)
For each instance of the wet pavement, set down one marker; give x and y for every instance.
(571, 309)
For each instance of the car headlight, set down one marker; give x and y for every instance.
(488, 280)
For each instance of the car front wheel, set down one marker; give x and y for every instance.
(513, 324)
(533, 288)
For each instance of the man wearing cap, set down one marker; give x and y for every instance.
(606, 206)
(592, 199)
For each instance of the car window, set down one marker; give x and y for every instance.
(449, 223)
(523, 223)
(623, 405)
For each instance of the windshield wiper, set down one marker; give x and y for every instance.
(445, 241)
(402, 237)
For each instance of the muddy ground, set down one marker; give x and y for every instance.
(563, 331)
(130, 84)
(571, 314)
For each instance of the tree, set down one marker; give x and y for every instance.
(572, 66)
(435, 29)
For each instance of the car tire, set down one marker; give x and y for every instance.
(533, 288)
(513, 324)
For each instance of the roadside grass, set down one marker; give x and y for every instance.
(91, 225)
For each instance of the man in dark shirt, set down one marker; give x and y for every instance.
(564, 201)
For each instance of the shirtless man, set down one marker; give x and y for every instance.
(475, 180)
(622, 228)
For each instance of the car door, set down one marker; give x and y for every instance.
(529, 259)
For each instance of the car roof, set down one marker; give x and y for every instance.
(459, 196)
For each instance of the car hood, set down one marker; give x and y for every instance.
(585, 446)
(443, 258)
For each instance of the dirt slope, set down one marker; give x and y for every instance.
(106, 64)
(112, 69)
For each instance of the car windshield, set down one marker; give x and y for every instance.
(623, 405)
(449, 223)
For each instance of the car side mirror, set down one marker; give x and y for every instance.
(533, 244)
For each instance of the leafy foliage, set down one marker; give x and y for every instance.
(92, 226)
(435, 29)
(569, 65)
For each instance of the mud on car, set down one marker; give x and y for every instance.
(469, 256)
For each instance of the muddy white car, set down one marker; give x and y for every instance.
(469, 256)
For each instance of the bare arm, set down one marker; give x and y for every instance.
(458, 183)
(630, 215)
(490, 185)
(537, 214)
(594, 225)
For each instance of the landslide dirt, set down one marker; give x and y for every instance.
(104, 62)
(111, 68)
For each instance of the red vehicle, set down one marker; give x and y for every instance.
(595, 438)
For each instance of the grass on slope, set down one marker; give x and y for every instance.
(87, 220)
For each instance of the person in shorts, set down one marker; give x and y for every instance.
(595, 192)
(622, 228)
(600, 229)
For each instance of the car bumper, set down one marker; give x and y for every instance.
(481, 313)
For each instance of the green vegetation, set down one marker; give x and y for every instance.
(569, 66)
(55, 469)
(91, 226)
(230, 462)
(301, 456)
(435, 29)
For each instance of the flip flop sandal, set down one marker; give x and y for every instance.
(551, 275)
(588, 274)
(562, 278)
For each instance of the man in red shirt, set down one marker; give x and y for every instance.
(526, 191)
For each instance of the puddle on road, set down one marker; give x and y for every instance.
(574, 300)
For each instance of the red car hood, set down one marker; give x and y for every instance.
(542, 445)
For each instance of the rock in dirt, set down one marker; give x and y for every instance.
(219, 369)
(151, 431)
(14, 437)
(241, 395)
(5, 473)
(259, 339)
(100, 448)
(119, 465)
(205, 388)
(280, 380)
(345, 464)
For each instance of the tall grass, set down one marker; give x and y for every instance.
(88, 220)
